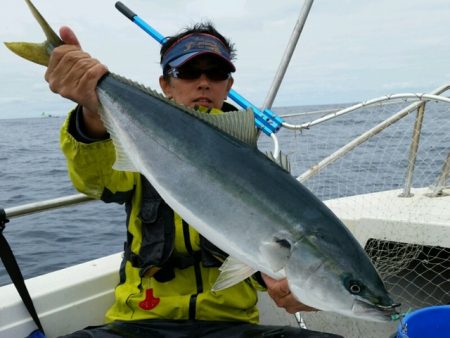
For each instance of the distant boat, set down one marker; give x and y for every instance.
(44, 114)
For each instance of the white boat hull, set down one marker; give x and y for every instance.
(66, 300)
(73, 298)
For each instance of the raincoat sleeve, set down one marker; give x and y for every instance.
(258, 282)
(90, 164)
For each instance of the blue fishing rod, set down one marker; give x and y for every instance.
(266, 120)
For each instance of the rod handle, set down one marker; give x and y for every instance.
(125, 10)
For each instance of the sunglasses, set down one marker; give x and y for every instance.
(192, 73)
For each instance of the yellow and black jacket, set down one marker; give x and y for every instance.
(168, 268)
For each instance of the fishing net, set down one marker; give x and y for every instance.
(392, 191)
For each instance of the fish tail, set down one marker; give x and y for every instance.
(37, 52)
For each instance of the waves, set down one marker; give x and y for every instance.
(32, 168)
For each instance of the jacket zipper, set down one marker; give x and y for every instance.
(197, 270)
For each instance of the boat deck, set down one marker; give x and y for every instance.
(419, 219)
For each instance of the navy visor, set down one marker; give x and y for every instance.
(193, 45)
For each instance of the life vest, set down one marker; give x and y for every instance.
(156, 257)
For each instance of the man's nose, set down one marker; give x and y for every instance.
(204, 81)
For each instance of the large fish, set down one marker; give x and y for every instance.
(209, 170)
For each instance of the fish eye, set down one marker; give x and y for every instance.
(354, 287)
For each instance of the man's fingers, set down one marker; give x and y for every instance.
(68, 36)
(62, 60)
(277, 287)
(280, 293)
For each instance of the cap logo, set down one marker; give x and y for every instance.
(201, 44)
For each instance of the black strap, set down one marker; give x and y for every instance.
(13, 270)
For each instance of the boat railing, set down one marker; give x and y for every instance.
(50, 204)
(441, 182)
(418, 106)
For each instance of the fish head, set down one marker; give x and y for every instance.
(344, 284)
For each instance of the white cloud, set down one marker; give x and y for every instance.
(349, 50)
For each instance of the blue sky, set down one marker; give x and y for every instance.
(349, 51)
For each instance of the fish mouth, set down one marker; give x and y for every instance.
(363, 308)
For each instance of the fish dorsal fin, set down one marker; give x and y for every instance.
(282, 160)
(240, 124)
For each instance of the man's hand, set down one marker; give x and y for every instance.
(74, 74)
(282, 296)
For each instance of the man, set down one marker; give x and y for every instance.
(168, 268)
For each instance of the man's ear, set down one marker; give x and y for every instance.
(230, 84)
(165, 86)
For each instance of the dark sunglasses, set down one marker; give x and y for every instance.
(191, 73)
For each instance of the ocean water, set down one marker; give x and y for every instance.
(32, 168)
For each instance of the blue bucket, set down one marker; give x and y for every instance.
(433, 321)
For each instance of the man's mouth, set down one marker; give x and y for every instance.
(202, 101)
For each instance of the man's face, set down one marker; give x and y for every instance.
(202, 90)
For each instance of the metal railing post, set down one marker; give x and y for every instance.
(413, 151)
(287, 55)
(442, 179)
(316, 168)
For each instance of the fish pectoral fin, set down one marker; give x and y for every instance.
(276, 253)
(232, 272)
(123, 162)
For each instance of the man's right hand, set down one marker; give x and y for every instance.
(74, 74)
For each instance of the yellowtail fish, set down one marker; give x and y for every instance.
(209, 170)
